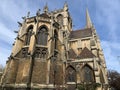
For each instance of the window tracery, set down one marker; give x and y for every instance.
(60, 19)
(88, 74)
(42, 36)
(71, 74)
(28, 35)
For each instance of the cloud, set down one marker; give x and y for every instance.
(111, 52)
(13, 9)
(107, 15)
(4, 54)
(6, 39)
(104, 13)
(6, 34)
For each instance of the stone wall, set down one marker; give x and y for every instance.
(11, 71)
(23, 71)
(56, 73)
(39, 72)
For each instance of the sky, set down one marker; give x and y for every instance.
(104, 15)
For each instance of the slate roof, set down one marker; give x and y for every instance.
(80, 33)
(72, 54)
(86, 53)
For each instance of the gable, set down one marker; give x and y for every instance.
(72, 54)
(86, 53)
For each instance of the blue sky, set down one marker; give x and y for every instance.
(104, 15)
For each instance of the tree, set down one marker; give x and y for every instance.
(114, 79)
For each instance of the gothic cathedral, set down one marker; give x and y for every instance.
(49, 55)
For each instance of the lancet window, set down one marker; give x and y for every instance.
(42, 36)
(28, 35)
(88, 74)
(60, 19)
(71, 74)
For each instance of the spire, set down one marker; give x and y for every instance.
(65, 6)
(45, 8)
(88, 20)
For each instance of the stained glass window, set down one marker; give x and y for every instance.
(28, 35)
(88, 74)
(42, 36)
(71, 74)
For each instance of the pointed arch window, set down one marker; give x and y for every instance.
(56, 38)
(28, 35)
(71, 74)
(88, 74)
(42, 36)
(60, 19)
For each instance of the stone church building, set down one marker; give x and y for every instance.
(49, 55)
